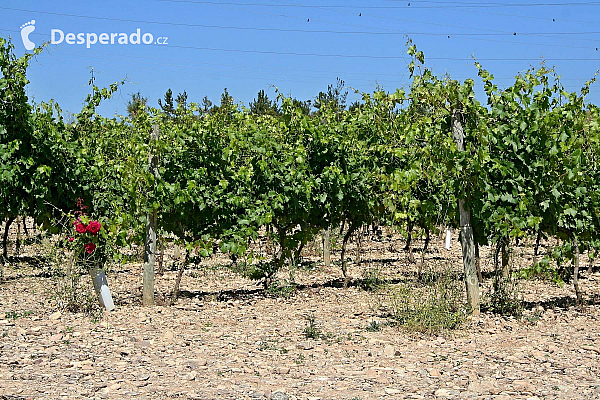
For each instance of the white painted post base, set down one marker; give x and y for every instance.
(448, 239)
(101, 288)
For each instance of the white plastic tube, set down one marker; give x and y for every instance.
(101, 288)
(448, 239)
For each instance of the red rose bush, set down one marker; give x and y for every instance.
(88, 240)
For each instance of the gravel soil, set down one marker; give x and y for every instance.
(226, 338)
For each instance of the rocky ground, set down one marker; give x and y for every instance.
(225, 338)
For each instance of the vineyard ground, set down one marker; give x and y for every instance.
(225, 338)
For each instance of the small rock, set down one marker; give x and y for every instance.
(371, 373)
(392, 391)
(57, 337)
(484, 387)
(193, 363)
(279, 395)
(305, 346)
(123, 351)
(282, 370)
(434, 373)
(143, 377)
(35, 331)
(55, 316)
(168, 335)
(191, 376)
(591, 348)
(389, 351)
(143, 343)
(447, 393)
(523, 386)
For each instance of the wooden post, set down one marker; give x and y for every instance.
(9, 221)
(18, 243)
(161, 256)
(478, 263)
(466, 230)
(505, 258)
(150, 248)
(576, 272)
(327, 246)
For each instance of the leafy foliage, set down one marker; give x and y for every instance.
(225, 174)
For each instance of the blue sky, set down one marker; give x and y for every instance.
(298, 46)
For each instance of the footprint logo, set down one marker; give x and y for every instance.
(26, 29)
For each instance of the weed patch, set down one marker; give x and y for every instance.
(431, 308)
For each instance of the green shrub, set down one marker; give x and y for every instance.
(431, 308)
(374, 326)
(505, 298)
(372, 280)
(312, 329)
(542, 270)
(282, 289)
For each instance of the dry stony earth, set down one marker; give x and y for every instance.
(225, 338)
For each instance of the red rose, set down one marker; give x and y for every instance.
(89, 248)
(81, 227)
(94, 227)
(71, 239)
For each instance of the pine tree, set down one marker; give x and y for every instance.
(263, 106)
(168, 106)
(334, 97)
(136, 105)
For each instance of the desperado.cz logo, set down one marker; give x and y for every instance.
(57, 36)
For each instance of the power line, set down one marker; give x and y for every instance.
(203, 25)
(407, 20)
(403, 57)
(374, 57)
(547, 19)
(219, 65)
(412, 4)
(456, 34)
(462, 4)
(364, 56)
(434, 24)
(463, 10)
(287, 80)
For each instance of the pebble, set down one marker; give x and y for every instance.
(282, 370)
(56, 337)
(523, 386)
(305, 346)
(55, 316)
(447, 392)
(392, 391)
(434, 373)
(279, 395)
(389, 351)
